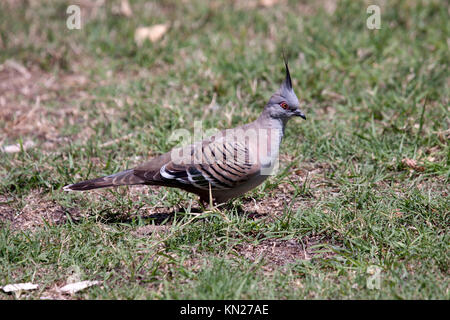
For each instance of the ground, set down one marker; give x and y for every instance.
(363, 187)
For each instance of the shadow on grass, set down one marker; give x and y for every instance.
(166, 215)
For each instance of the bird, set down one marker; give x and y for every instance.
(223, 166)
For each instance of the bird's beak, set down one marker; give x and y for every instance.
(298, 113)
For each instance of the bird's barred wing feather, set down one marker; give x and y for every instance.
(221, 164)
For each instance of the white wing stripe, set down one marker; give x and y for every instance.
(164, 173)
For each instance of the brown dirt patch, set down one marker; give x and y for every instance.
(27, 97)
(277, 252)
(157, 230)
(37, 211)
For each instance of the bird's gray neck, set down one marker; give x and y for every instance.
(266, 121)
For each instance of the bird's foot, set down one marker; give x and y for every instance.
(212, 207)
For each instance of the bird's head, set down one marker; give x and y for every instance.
(284, 103)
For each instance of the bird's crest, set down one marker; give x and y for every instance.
(286, 91)
(287, 81)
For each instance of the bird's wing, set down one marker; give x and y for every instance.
(223, 164)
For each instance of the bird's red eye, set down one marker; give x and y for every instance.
(284, 105)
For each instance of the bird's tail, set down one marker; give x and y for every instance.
(126, 177)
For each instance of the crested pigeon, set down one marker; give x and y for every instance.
(223, 166)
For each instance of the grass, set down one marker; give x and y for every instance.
(346, 199)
